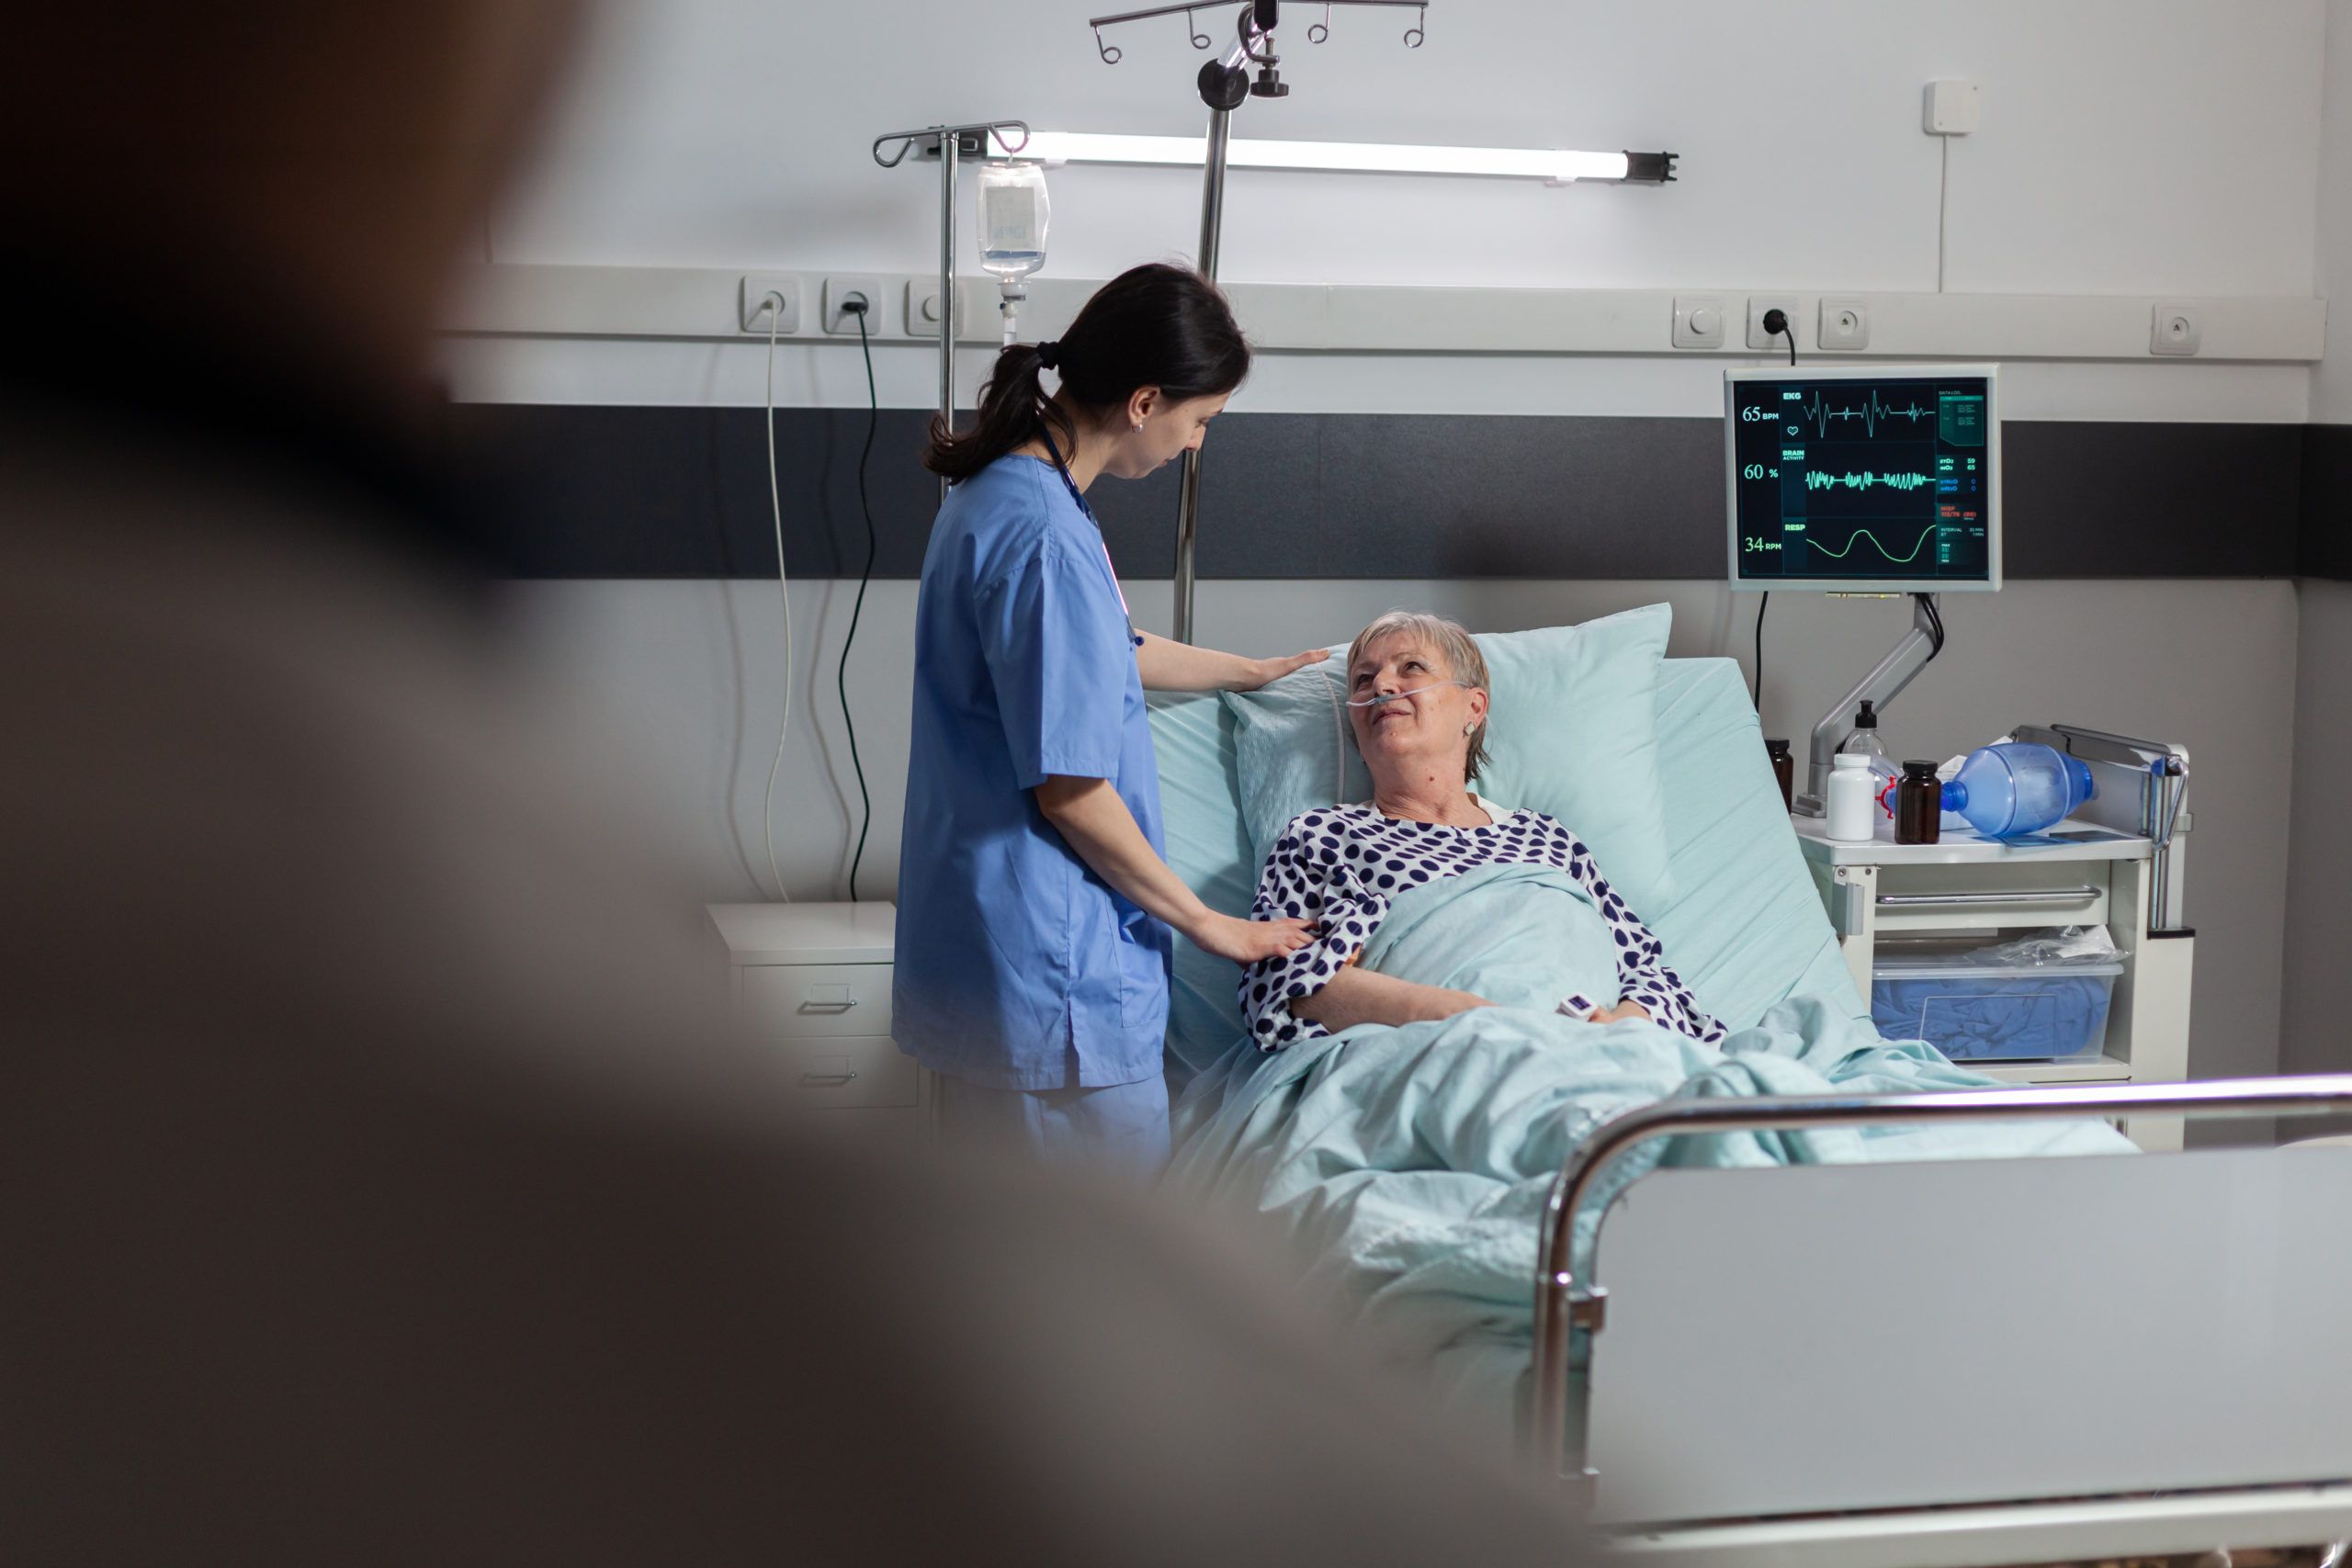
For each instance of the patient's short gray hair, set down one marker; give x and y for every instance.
(1464, 662)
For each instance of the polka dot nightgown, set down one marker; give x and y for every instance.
(1342, 865)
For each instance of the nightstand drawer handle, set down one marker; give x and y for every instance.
(828, 999)
(826, 1080)
(2023, 895)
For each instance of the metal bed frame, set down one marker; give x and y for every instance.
(1563, 1303)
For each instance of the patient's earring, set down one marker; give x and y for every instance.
(1470, 729)
(1139, 427)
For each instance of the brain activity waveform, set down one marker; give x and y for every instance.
(1860, 534)
(1813, 480)
(1822, 416)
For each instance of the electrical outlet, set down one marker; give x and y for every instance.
(839, 291)
(1698, 321)
(2176, 329)
(1845, 324)
(754, 308)
(1759, 303)
(920, 316)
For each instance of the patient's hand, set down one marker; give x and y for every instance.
(1621, 1012)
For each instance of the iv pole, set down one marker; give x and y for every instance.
(949, 144)
(1224, 84)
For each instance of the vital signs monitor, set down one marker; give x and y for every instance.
(1864, 480)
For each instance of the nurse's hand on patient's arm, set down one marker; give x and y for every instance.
(1356, 995)
(1167, 666)
(1245, 941)
(1095, 822)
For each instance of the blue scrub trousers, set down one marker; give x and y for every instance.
(1122, 1128)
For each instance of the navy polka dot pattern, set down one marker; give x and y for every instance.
(1342, 864)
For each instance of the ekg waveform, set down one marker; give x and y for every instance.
(1894, 559)
(1822, 416)
(1813, 480)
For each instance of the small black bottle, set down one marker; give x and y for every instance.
(1918, 805)
(1784, 768)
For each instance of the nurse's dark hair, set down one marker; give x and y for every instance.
(1151, 326)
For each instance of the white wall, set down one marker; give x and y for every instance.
(2128, 146)
(2164, 146)
(2332, 272)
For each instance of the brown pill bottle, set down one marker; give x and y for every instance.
(1918, 805)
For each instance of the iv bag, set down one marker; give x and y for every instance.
(1013, 212)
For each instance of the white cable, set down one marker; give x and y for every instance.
(1943, 209)
(784, 591)
(1339, 719)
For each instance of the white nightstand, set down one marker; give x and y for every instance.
(1982, 889)
(815, 979)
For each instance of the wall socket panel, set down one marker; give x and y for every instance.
(1698, 321)
(920, 317)
(754, 308)
(1845, 324)
(2176, 330)
(837, 292)
(1759, 303)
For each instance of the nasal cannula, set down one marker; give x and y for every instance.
(1392, 697)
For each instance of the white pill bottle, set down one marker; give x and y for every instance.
(1852, 804)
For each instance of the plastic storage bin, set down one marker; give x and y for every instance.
(1990, 1005)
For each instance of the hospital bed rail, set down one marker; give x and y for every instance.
(1563, 1305)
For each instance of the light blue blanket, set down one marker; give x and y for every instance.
(1409, 1165)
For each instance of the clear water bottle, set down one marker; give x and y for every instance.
(2017, 787)
(1863, 741)
(1013, 214)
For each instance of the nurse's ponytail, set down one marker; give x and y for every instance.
(1151, 326)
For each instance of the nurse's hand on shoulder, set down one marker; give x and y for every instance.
(1266, 670)
(1247, 941)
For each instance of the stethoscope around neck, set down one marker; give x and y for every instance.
(1135, 637)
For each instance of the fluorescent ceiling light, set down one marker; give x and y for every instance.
(1366, 157)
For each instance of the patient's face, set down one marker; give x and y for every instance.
(1425, 730)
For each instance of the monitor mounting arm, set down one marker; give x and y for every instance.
(1879, 687)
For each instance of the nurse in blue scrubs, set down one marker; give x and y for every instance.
(1035, 905)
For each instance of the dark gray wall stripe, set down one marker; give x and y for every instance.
(2324, 547)
(596, 492)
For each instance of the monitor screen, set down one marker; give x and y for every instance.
(1880, 480)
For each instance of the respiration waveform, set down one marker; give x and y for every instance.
(1893, 559)
(1870, 413)
(1814, 480)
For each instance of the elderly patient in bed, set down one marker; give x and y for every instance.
(1419, 708)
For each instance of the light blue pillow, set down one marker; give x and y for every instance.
(1572, 732)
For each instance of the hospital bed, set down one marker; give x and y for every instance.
(1953, 1362)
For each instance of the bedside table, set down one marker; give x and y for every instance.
(1984, 890)
(815, 980)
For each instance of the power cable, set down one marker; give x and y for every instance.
(783, 591)
(840, 675)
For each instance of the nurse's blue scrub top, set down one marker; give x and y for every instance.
(1017, 968)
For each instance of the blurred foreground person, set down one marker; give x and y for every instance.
(369, 1189)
